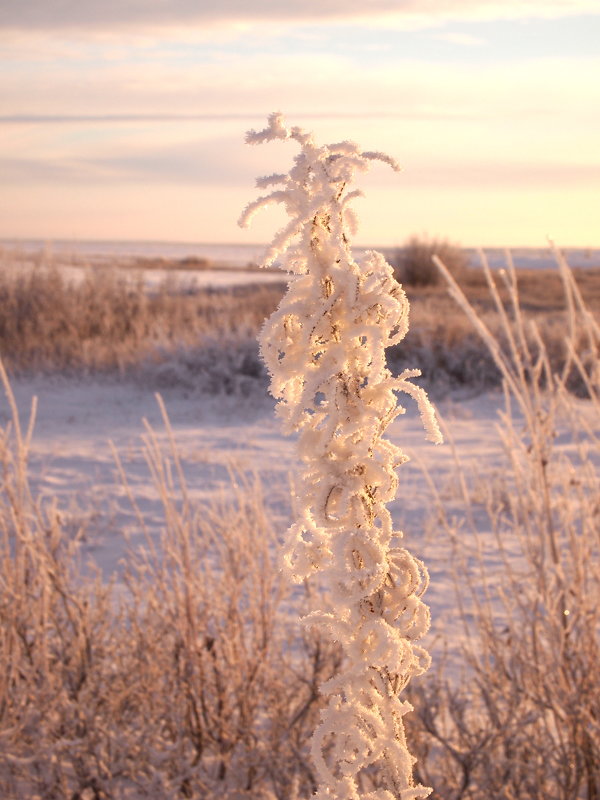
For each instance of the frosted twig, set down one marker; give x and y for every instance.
(324, 349)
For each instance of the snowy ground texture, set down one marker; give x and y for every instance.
(72, 461)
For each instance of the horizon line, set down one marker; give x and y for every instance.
(49, 240)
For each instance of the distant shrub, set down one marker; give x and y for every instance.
(224, 365)
(193, 263)
(413, 264)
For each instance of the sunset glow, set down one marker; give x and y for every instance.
(123, 122)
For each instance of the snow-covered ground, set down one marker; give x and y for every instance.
(184, 279)
(72, 463)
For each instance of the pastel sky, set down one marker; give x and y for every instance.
(125, 119)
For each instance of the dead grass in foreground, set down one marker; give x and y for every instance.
(187, 680)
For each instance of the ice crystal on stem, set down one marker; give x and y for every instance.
(324, 348)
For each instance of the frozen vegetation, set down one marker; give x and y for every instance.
(324, 347)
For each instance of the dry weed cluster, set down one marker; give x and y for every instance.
(525, 720)
(182, 681)
(110, 322)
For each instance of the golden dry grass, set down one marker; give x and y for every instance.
(184, 681)
(109, 322)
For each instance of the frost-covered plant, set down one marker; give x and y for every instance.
(324, 348)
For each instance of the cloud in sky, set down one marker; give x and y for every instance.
(195, 162)
(111, 14)
(128, 115)
(450, 100)
(332, 85)
(223, 162)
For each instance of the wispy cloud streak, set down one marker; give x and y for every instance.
(109, 14)
(115, 119)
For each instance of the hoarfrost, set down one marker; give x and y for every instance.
(324, 348)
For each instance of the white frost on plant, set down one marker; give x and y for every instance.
(324, 349)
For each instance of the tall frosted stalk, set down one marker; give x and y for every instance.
(324, 348)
